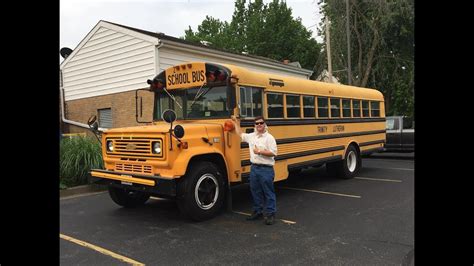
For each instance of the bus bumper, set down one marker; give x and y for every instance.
(155, 185)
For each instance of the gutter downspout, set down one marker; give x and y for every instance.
(63, 116)
(157, 56)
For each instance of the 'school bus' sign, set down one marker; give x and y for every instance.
(184, 76)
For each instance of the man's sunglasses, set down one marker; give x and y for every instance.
(259, 123)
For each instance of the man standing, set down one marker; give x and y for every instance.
(263, 149)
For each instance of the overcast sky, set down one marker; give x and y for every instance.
(172, 17)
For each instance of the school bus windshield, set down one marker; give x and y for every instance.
(194, 103)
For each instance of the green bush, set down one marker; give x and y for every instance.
(78, 155)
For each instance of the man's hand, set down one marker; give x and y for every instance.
(255, 149)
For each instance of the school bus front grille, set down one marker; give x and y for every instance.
(133, 168)
(134, 147)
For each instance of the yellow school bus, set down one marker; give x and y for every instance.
(191, 152)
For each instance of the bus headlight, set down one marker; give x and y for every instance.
(156, 147)
(110, 145)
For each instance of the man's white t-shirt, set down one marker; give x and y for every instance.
(264, 141)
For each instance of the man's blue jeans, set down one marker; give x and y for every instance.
(261, 186)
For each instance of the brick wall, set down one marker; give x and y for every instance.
(121, 104)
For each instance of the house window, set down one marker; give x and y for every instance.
(105, 118)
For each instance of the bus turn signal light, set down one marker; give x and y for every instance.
(156, 84)
(217, 75)
(228, 125)
(183, 145)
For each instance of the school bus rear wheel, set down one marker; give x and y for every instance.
(201, 192)
(348, 167)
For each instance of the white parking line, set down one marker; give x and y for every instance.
(322, 192)
(379, 179)
(248, 214)
(101, 250)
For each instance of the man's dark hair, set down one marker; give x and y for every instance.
(259, 118)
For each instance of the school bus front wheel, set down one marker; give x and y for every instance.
(201, 192)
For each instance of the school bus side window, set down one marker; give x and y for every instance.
(346, 108)
(335, 107)
(323, 107)
(292, 106)
(356, 108)
(308, 106)
(365, 108)
(375, 109)
(250, 102)
(275, 105)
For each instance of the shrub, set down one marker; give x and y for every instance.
(78, 155)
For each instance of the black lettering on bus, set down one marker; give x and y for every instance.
(338, 128)
(198, 76)
(322, 129)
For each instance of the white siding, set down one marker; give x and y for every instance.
(170, 57)
(108, 62)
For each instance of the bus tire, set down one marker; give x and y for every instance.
(201, 192)
(347, 168)
(128, 198)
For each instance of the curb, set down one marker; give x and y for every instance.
(81, 190)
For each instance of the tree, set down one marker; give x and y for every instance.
(267, 30)
(382, 47)
(210, 31)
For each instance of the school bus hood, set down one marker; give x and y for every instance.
(161, 128)
(140, 129)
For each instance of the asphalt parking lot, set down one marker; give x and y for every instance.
(368, 220)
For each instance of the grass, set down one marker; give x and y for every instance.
(78, 155)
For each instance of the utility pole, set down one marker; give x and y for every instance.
(349, 74)
(328, 49)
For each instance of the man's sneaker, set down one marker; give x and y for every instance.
(254, 216)
(270, 219)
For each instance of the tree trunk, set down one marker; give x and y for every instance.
(370, 58)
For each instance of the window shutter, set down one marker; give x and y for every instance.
(105, 118)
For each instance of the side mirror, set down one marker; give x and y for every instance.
(92, 122)
(178, 131)
(169, 116)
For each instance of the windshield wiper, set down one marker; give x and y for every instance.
(172, 97)
(199, 95)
